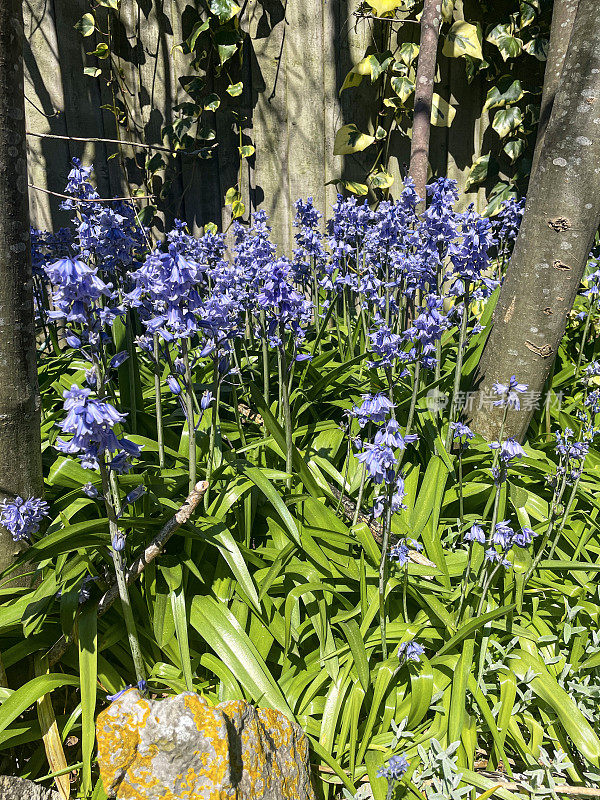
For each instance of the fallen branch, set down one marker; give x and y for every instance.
(141, 562)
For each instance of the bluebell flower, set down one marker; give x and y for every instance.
(509, 393)
(374, 408)
(397, 500)
(395, 768)
(509, 449)
(22, 517)
(379, 461)
(475, 534)
(503, 534)
(118, 541)
(399, 552)
(461, 432)
(494, 557)
(90, 490)
(174, 384)
(524, 537)
(410, 651)
(390, 435)
(91, 422)
(118, 359)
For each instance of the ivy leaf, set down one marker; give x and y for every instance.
(507, 120)
(501, 192)
(223, 9)
(478, 171)
(528, 13)
(237, 209)
(382, 179)
(114, 4)
(381, 7)
(508, 45)
(514, 148)
(408, 52)
(198, 28)
(102, 51)
(227, 43)
(378, 63)
(211, 102)
(235, 89)
(403, 87)
(506, 91)
(86, 25)
(442, 113)
(93, 72)
(537, 47)
(463, 39)
(447, 10)
(246, 151)
(350, 140)
(380, 133)
(232, 195)
(355, 188)
(372, 65)
(146, 215)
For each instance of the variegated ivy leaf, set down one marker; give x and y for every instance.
(478, 171)
(350, 140)
(353, 187)
(463, 39)
(507, 90)
(381, 7)
(509, 46)
(382, 179)
(224, 9)
(537, 47)
(373, 65)
(442, 113)
(403, 87)
(514, 148)
(507, 120)
(408, 52)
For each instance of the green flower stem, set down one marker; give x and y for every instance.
(216, 392)
(287, 414)
(158, 406)
(383, 570)
(363, 478)
(558, 494)
(111, 500)
(265, 359)
(586, 329)
(131, 371)
(458, 368)
(189, 406)
(413, 398)
(566, 513)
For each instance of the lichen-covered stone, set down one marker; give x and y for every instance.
(21, 789)
(182, 747)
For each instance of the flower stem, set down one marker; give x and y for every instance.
(383, 570)
(458, 368)
(189, 406)
(110, 500)
(158, 405)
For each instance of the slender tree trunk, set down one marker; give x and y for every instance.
(563, 17)
(561, 217)
(431, 19)
(20, 449)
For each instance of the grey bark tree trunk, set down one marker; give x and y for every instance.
(20, 449)
(563, 17)
(431, 19)
(561, 216)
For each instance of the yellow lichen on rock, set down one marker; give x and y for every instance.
(182, 748)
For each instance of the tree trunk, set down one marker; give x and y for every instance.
(20, 448)
(431, 20)
(563, 17)
(561, 217)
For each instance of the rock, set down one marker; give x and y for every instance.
(21, 789)
(182, 748)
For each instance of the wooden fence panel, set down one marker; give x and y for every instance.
(297, 57)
